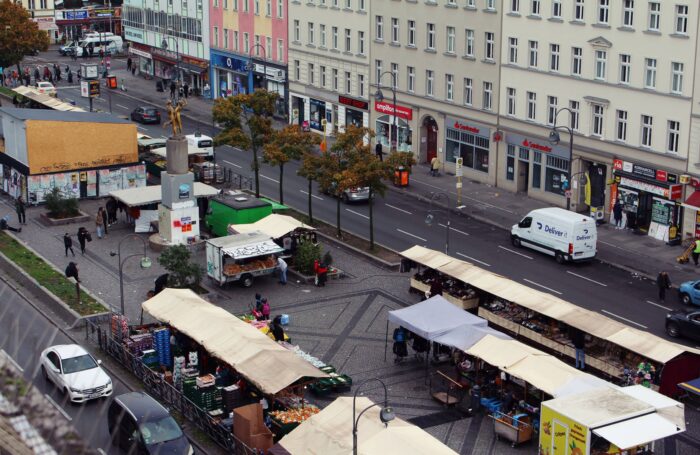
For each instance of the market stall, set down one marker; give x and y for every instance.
(284, 230)
(241, 257)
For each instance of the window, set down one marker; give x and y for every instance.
(268, 48)
(246, 43)
(361, 85)
(621, 126)
(226, 38)
(280, 8)
(532, 62)
(551, 109)
(379, 28)
(236, 39)
(578, 10)
(311, 38)
(235, 5)
(514, 6)
(429, 82)
(676, 78)
(348, 83)
(245, 6)
(674, 132)
(601, 61)
(654, 15)
(510, 96)
(576, 60)
(216, 36)
(597, 123)
(468, 93)
(297, 70)
(256, 5)
(473, 149)
(628, 13)
(280, 50)
(554, 57)
(555, 174)
(312, 74)
(469, 45)
(410, 79)
(556, 9)
(491, 5)
(362, 6)
(361, 43)
(535, 7)
(682, 20)
(625, 62)
(257, 46)
(510, 165)
(378, 69)
(348, 40)
(322, 35)
(449, 87)
(335, 79)
(334, 37)
(431, 36)
(488, 95)
(412, 33)
(647, 125)
(650, 72)
(395, 75)
(531, 105)
(490, 46)
(513, 50)
(574, 116)
(450, 40)
(322, 74)
(603, 11)
(297, 31)
(394, 30)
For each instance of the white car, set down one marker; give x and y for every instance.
(73, 370)
(46, 88)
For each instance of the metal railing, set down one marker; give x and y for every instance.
(233, 179)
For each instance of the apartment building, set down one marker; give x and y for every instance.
(249, 47)
(328, 58)
(443, 60)
(42, 12)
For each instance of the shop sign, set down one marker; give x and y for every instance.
(462, 125)
(535, 146)
(644, 171)
(661, 176)
(75, 15)
(671, 178)
(644, 186)
(352, 102)
(164, 53)
(676, 192)
(139, 52)
(538, 146)
(103, 12)
(132, 34)
(391, 109)
(270, 72)
(232, 63)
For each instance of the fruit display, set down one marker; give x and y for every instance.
(254, 264)
(295, 415)
(232, 269)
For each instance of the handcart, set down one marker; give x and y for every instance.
(685, 257)
(516, 429)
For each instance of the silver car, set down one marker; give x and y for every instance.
(355, 194)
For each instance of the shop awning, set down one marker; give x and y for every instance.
(134, 197)
(46, 100)
(637, 431)
(691, 386)
(545, 372)
(694, 199)
(427, 257)
(501, 353)
(274, 225)
(248, 245)
(466, 336)
(433, 317)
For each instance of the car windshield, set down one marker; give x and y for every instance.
(161, 430)
(76, 364)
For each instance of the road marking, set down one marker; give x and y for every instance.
(58, 408)
(358, 214)
(624, 319)
(606, 243)
(67, 86)
(515, 252)
(123, 107)
(232, 164)
(269, 178)
(586, 278)
(660, 306)
(12, 361)
(453, 229)
(141, 128)
(313, 195)
(412, 235)
(400, 210)
(542, 286)
(473, 259)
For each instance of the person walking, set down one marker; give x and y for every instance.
(100, 223)
(68, 243)
(83, 237)
(282, 266)
(617, 214)
(434, 166)
(173, 87)
(579, 340)
(20, 208)
(663, 282)
(378, 150)
(128, 64)
(186, 90)
(111, 211)
(105, 218)
(696, 251)
(72, 271)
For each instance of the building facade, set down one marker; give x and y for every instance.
(328, 60)
(248, 47)
(42, 12)
(168, 35)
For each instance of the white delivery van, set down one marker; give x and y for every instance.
(203, 143)
(568, 236)
(112, 44)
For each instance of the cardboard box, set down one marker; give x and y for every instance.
(249, 428)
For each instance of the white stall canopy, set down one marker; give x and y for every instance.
(433, 317)
(634, 432)
(135, 197)
(466, 336)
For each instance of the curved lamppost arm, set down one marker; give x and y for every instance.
(122, 262)
(386, 415)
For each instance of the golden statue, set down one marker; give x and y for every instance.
(174, 116)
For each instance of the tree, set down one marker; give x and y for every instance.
(287, 144)
(330, 179)
(19, 35)
(310, 165)
(246, 120)
(183, 272)
(401, 159)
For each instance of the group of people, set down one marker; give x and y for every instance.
(83, 237)
(106, 217)
(262, 313)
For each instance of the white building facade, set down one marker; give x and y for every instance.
(42, 12)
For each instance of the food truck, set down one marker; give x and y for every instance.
(241, 257)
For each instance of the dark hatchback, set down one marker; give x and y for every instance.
(140, 425)
(146, 115)
(683, 323)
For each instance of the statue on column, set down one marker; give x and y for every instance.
(174, 116)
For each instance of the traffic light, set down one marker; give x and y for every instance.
(111, 81)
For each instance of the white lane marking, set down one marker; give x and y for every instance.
(660, 306)
(542, 286)
(606, 243)
(141, 128)
(12, 361)
(412, 235)
(515, 252)
(58, 408)
(123, 107)
(269, 178)
(453, 229)
(313, 195)
(232, 164)
(473, 259)
(358, 214)
(624, 319)
(400, 210)
(586, 278)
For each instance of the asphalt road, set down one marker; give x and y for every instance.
(400, 223)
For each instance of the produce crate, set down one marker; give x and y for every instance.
(283, 429)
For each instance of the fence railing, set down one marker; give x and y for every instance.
(233, 179)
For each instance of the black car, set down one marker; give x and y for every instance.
(139, 425)
(685, 323)
(146, 115)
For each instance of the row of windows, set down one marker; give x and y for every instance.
(162, 22)
(245, 6)
(330, 78)
(260, 47)
(346, 4)
(321, 40)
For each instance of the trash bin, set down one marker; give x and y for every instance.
(475, 398)
(401, 176)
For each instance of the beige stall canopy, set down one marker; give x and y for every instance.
(263, 362)
(273, 225)
(330, 433)
(134, 197)
(46, 100)
(596, 324)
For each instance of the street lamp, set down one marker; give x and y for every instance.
(164, 45)
(430, 218)
(386, 414)
(554, 139)
(250, 66)
(145, 264)
(379, 96)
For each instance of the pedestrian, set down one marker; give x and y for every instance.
(617, 214)
(663, 282)
(68, 243)
(378, 151)
(20, 208)
(128, 64)
(111, 211)
(173, 87)
(37, 75)
(434, 166)
(70, 77)
(105, 217)
(282, 266)
(4, 226)
(400, 348)
(321, 273)
(696, 251)
(47, 73)
(265, 309)
(578, 338)
(186, 90)
(79, 74)
(72, 271)
(100, 223)
(276, 329)
(83, 237)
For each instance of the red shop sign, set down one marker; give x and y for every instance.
(536, 146)
(661, 176)
(398, 110)
(675, 192)
(463, 127)
(617, 165)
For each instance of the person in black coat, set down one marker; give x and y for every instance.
(378, 151)
(276, 328)
(68, 243)
(111, 207)
(663, 282)
(83, 238)
(72, 272)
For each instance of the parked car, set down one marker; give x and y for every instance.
(139, 424)
(355, 194)
(68, 48)
(689, 292)
(46, 88)
(145, 114)
(683, 323)
(73, 370)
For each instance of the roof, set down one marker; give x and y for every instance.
(599, 407)
(638, 431)
(562, 214)
(142, 406)
(134, 197)
(273, 225)
(61, 116)
(250, 244)
(433, 317)
(46, 100)
(67, 351)
(240, 201)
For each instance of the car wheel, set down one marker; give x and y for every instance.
(559, 257)
(516, 241)
(685, 299)
(247, 281)
(672, 330)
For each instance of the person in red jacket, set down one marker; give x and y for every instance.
(321, 272)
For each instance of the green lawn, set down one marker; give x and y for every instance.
(7, 91)
(52, 280)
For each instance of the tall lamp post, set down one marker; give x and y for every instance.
(164, 45)
(386, 414)
(555, 139)
(379, 96)
(145, 264)
(250, 66)
(430, 219)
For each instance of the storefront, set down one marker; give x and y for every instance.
(229, 75)
(391, 130)
(649, 199)
(273, 78)
(352, 112)
(468, 141)
(536, 166)
(317, 113)
(142, 59)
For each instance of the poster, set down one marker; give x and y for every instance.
(91, 183)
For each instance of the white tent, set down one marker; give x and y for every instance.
(134, 197)
(274, 225)
(466, 336)
(433, 317)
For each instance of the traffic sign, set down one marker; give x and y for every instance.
(567, 193)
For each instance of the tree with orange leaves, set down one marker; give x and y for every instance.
(19, 35)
